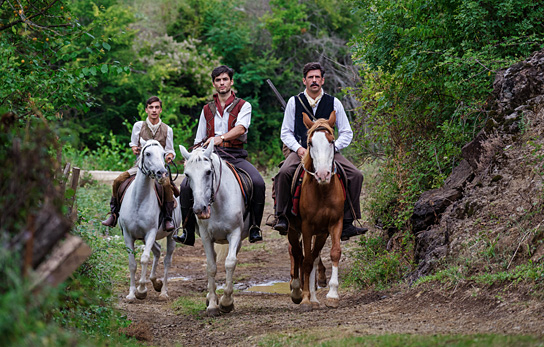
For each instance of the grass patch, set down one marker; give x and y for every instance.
(190, 305)
(400, 340)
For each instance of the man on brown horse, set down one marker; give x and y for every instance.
(315, 102)
(152, 128)
(226, 119)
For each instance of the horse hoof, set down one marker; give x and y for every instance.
(141, 295)
(212, 312)
(315, 305)
(157, 284)
(296, 300)
(164, 297)
(131, 298)
(322, 283)
(306, 307)
(332, 303)
(226, 309)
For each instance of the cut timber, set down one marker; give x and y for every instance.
(66, 257)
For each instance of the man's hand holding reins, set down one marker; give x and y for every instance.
(169, 157)
(301, 151)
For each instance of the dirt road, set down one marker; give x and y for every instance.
(465, 310)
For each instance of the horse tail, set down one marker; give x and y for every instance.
(222, 250)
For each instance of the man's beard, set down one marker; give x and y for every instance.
(224, 91)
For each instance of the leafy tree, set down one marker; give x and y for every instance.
(427, 69)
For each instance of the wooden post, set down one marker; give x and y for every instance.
(65, 258)
(72, 205)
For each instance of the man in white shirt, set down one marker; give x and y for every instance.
(226, 119)
(150, 129)
(314, 101)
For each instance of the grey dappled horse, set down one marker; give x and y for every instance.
(139, 220)
(219, 208)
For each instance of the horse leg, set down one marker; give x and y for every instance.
(129, 243)
(157, 283)
(170, 246)
(318, 245)
(307, 266)
(332, 296)
(321, 274)
(212, 309)
(295, 253)
(141, 290)
(226, 303)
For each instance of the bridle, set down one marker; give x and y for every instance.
(333, 164)
(212, 195)
(142, 166)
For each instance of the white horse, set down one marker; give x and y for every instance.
(219, 207)
(139, 220)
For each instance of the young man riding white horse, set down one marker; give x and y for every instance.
(150, 129)
(225, 120)
(315, 102)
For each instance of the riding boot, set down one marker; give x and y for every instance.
(257, 211)
(168, 221)
(350, 230)
(188, 235)
(282, 225)
(112, 219)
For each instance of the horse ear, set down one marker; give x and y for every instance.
(209, 150)
(332, 119)
(307, 121)
(142, 142)
(184, 152)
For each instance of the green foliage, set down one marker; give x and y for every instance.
(40, 53)
(81, 311)
(427, 69)
(375, 266)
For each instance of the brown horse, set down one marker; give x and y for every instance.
(321, 209)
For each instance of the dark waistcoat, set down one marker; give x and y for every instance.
(324, 110)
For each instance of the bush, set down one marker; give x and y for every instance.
(374, 266)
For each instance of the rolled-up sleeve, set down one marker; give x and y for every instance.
(244, 116)
(134, 138)
(170, 142)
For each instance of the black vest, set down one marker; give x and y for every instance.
(324, 110)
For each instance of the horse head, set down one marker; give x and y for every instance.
(151, 160)
(320, 152)
(200, 173)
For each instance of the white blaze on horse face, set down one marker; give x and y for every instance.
(322, 153)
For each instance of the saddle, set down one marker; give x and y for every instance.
(159, 191)
(245, 183)
(296, 185)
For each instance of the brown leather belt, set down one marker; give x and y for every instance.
(227, 144)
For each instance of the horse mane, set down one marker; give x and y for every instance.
(198, 155)
(320, 124)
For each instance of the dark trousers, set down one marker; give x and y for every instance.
(236, 157)
(284, 178)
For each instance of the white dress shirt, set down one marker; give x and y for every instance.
(221, 122)
(134, 139)
(345, 134)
